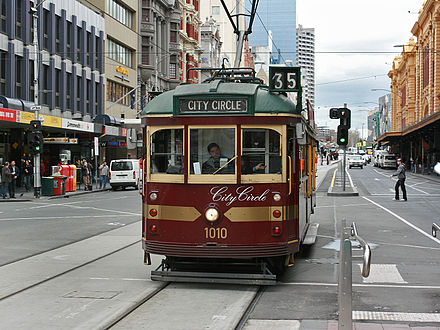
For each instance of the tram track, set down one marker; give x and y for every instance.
(250, 308)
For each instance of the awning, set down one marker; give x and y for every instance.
(107, 120)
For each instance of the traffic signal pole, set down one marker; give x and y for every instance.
(345, 168)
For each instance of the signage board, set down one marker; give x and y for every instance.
(46, 120)
(284, 79)
(60, 140)
(111, 130)
(96, 146)
(8, 115)
(77, 125)
(213, 106)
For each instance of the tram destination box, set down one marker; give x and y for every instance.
(213, 106)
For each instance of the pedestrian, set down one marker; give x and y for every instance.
(15, 172)
(411, 160)
(400, 173)
(103, 174)
(28, 169)
(85, 175)
(6, 179)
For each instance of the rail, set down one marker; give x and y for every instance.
(435, 229)
(345, 279)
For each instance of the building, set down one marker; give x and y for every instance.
(190, 47)
(159, 45)
(384, 114)
(214, 9)
(415, 86)
(71, 78)
(278, 16)
(305, 43)
(211, 45)
(372, 126)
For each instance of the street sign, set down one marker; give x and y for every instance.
(36, 108)
(284, 79)
(96, 146)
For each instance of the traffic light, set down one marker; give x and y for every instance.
(334, 113)
(133, 99)
(342, 137)
(35, 143)
(35, 125)
(345, 117)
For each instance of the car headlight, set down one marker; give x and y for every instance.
(212, 214)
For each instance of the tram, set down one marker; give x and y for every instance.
(228, 178)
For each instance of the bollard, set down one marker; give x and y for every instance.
(345, 279)
(435, 229)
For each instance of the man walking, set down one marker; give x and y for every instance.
(28, 170)
(400, 173)
(103, 171)
(86, 175)
(14, 175)
(6, 179)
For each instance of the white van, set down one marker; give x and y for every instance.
(376, 156)
(389, 160)
(124, 173)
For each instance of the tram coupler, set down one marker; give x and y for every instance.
(147, 259)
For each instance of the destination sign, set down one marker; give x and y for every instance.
(236, 105)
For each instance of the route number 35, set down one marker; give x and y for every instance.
(284, 79)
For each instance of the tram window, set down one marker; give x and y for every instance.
(261, 151)
(212, 151)
(167, 152)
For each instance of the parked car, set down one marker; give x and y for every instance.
(355, 161)
(124, 173)
(389, 160)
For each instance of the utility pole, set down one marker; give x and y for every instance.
(345, 158)
(37, 107)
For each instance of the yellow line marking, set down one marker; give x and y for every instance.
(334, 177)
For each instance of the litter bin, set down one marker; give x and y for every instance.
(47, 186)
(59, 185)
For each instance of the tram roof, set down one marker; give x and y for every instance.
(259, 99)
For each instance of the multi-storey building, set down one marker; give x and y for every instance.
(211, 45)
(214, 9)
(278, 16)
(70, 76)
(190, 48)
(415, 86)
(305, 43)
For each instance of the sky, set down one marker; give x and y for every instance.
(360, 27)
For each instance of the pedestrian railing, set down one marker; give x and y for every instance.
(345, 281)
(435, 229)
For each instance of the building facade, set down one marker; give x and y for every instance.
(305, 43)
(190, 47)
(211, 45)
(415, 86)
(384, 114)
(278, 16)
(71, 70)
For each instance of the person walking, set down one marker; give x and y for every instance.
(14, 174)
(6, 180)
(400, 173)
(103, 174)
(85, 175)
(28, 170)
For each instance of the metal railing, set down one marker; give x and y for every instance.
(435, 229)
(345, 280)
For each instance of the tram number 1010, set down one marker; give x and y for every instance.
(216, 233)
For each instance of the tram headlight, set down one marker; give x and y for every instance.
(212, 214)
(276, 197)
(153, 196)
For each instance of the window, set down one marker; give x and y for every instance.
(174, 30)
(78, 94)
(122, 166)
(3, 17)
(18, 17)
(78, 44)
(68, 40)
(32, 88)
(145, 15)
(261, 148)
(425, 68)
(119, 12)
(89, 56)
(45, 85)
(57, 34)
(46, 29)
(88, 96)
(146, 50)
(18, 63)
(167, 152)
(173, 66)
(212, 151)
(57, 87)
(215, 10)
(115, 91)
(68, 92)
(119, 53)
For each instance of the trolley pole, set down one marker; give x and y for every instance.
(37, 159)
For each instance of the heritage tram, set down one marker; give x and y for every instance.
(228, 178)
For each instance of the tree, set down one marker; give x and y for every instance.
(353, 137)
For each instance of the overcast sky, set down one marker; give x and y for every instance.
(355, 26)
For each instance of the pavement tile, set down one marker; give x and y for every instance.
(332, 325)
(314, 325)
(367, 326)
(396, 326)
(425, 328)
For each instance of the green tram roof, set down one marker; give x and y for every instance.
(260, 99)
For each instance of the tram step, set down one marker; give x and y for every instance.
(202, 277)
(312, 232)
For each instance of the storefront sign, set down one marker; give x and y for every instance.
(46, 120)
(77, 125)
(8, 115)
(120, 69)
(214, 106)
(60, 140)
(111, 130)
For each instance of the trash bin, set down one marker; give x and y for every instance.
(59, 185)
(47, 186)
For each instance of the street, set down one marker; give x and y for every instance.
(78, 263)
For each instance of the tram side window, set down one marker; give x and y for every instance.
(167, 152)
(261, 151)
(212, 151)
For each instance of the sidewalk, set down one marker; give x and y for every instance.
(27, 196)
(431, 177)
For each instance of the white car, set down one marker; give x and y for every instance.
(355, 161)
(124, 173)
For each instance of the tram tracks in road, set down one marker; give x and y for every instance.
(250, 308)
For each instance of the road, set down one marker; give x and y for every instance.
(77, 263)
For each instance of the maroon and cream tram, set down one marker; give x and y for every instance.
(228, 178)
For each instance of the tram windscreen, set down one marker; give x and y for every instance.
(261, 151)
(167, 152)
(212, 151)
